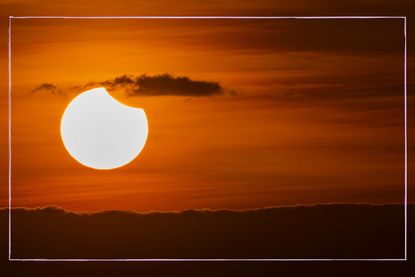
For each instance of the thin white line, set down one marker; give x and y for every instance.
(406, 143)
(203, 17)
(206, 260)
(10, 135)
(212, 17)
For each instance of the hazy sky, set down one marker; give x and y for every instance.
(306, 111)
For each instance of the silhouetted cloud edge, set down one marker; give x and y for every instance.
(58, 209)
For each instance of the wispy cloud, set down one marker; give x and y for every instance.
(48, 87)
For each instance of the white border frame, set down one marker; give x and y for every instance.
(204, 18)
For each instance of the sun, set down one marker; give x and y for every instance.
(101, 133)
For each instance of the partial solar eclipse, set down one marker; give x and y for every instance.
(101, 133)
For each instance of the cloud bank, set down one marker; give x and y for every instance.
(258, 233)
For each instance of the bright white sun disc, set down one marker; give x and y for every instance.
(102, 133)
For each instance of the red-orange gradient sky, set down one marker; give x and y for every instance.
(310, 111)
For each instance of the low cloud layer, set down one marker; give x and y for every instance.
(145, 85)
(247, 233)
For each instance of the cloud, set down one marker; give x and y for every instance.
(158, 85)
(48, 87)
(145, 85)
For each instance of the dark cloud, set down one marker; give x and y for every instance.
(145, 85)
(158, 85)
(166, 84)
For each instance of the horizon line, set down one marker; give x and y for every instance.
(201, 210)
(208, 260)
(209, 17)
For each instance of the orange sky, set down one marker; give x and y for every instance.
(311, 112)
